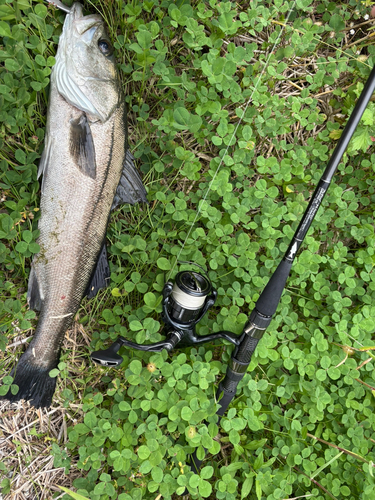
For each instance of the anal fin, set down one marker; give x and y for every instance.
(130, 189)
(100, 276)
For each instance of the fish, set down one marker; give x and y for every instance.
(87, 171)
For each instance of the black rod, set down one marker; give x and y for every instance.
(269, 299)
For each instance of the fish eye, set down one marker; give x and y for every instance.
(105, 47)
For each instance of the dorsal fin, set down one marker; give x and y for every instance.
(130, 189)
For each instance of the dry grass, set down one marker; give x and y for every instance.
(27, 434)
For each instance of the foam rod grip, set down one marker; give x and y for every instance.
(270, 297)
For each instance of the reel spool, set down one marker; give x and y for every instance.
(188, 297)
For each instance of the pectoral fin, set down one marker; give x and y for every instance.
(100, 276)
(82, 146)
(130, 189)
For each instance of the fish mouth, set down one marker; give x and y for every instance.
(84, 23)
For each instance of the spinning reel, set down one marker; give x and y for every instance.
(185, 302)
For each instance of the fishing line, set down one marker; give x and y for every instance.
(202, 201)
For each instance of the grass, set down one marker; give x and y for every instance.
(301, 424)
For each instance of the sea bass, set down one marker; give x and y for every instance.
(87, 170)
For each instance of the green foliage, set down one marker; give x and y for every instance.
(234, 111)
(28, 35)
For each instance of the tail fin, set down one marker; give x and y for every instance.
(34, 383)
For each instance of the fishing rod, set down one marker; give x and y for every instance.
(186, 301)
(267, 303)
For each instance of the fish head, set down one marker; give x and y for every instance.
(85, 71)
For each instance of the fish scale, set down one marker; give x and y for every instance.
(86, 170)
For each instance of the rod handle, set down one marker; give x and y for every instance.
(270, 297)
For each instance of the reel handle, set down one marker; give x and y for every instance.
(108, 357)
(171, 340)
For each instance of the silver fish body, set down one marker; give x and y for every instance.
(86, 171)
